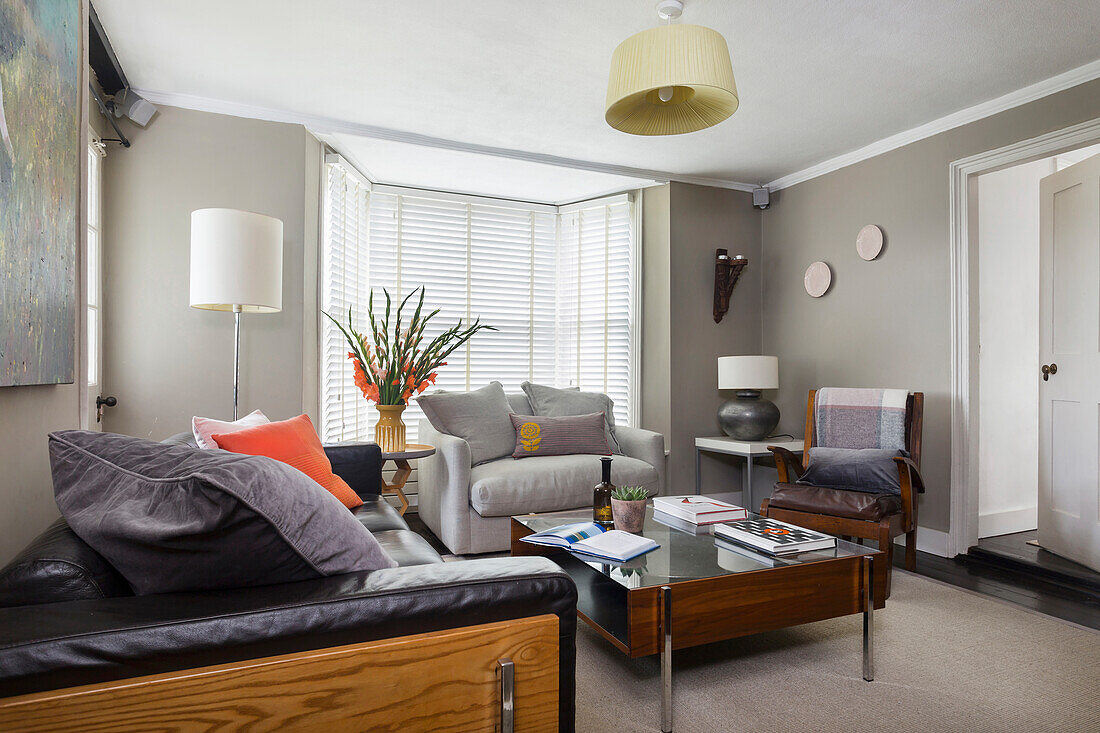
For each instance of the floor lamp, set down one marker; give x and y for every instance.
(237, 266)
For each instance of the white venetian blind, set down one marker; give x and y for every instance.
(519, 267)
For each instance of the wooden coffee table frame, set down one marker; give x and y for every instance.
(659, 619)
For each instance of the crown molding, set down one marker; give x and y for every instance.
(1045, 88)
(320, 125)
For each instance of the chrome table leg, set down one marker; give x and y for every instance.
(868, 619)
(666, 659)
(507, 695)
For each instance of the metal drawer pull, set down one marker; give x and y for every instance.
(507, 695)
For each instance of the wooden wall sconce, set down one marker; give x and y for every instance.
(726, 271)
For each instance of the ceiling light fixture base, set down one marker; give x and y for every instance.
(670, 10)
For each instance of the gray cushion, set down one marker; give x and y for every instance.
(560, 436)
(869, 470)
(479, 417)
(549, 483)
(176, 518)
(555, 402)
(519, 404)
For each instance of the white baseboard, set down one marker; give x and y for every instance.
(1008, 521)
(932, 541)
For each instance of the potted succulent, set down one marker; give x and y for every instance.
(628, 508)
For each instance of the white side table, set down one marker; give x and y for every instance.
(749, 451)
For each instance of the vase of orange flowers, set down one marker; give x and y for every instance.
(398, 361)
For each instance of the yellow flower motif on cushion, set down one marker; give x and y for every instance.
(529, 436)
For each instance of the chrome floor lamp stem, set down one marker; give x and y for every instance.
(236, 358)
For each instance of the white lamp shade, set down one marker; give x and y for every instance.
(236, 261)
(748, 372)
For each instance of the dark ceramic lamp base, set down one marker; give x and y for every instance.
(748, 416)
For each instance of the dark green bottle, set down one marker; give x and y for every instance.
(601, 496)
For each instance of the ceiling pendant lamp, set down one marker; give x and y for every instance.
(670, 79)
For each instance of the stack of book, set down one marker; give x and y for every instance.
(772, 536)
(690, 512)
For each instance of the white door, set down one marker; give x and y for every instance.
(1069, 348)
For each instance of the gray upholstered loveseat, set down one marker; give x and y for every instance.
(469, 507)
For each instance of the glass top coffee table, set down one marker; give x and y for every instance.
(695, 589)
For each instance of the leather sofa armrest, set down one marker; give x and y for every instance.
(787, 464)
(359, 464)
(645, 445)
(59, 645)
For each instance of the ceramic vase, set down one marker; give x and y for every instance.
(389, 431)
(629, 516)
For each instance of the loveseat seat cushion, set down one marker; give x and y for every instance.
(59, 566)
(407, 547)
(376, 514)
(834, 502)
(549, 483)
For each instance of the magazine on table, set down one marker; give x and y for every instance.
(773, 537)
(699, 509)
(589, 538)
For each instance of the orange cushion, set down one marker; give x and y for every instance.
(295, 443)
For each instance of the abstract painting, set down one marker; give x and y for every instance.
(40, 154)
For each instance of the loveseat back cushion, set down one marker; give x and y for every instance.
(176, 518)
(519, 404)
(59, 566)
(479, 417)
(549, 483)
(558, 402)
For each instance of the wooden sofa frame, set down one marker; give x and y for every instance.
(499, 676)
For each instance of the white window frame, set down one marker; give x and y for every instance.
(635, 222)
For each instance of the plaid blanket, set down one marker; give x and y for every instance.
(860, 418)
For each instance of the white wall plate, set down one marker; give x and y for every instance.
(869, 242)
(818, 278)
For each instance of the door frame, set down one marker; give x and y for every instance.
(963, 174)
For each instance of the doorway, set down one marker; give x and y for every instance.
(1012, 324)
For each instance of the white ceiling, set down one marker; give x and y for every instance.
(419, 166)
(816, 79)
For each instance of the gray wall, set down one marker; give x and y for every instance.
(683, 382)
(655, 369)
(163, 360)
(884, 323)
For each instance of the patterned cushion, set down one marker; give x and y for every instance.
(560, 436)
(558, 402)
(860, 418)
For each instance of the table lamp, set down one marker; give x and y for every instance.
(748, 416)
(236, 265)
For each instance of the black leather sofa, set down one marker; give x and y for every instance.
(67, 618)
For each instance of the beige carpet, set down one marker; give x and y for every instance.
(945, 660)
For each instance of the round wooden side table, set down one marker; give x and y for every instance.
(404, 470)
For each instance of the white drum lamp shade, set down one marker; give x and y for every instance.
(748, 372)
(236, 261)
(670, 80)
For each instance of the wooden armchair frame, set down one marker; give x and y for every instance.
(791, 467)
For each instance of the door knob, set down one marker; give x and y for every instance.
(1049, 369)
(100, 403)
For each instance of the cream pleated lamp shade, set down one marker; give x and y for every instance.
(691, 60)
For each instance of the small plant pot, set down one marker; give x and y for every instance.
(629, 516)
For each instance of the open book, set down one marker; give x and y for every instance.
(589, 538)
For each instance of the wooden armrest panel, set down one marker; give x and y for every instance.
(787, 464)
(439, 680)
